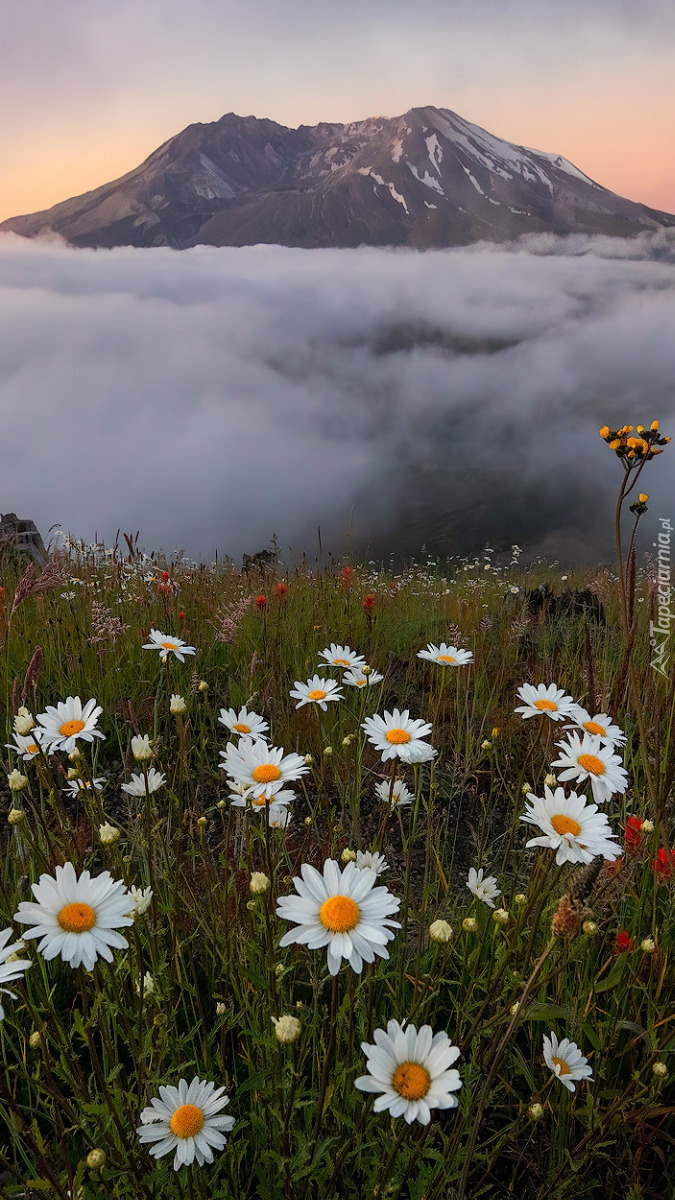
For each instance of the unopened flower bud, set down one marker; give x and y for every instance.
(520, 899)
(440, 931)
(35, 1039)
(327, 750)
(550, 780)
(348, 855)
(366, 670)
(648, 945)
(309, 761)
(108, 834)
(23, 721)
(647, 826)
(308, 820)
(203, 686)
(251, 905)
(660, 1070)
(221, 805)
(286, 1029)
(95, 1159)
(494, 733)
(501, 916)
(202, 822)
(259, 883)
(141, 748)
(590, 928)
(17, 782)
(15, 816)
(514, 1008)
(535, 1112)
(177, 705)
(527, 787)
(73, 773)
(279, 970)
(470, 925)
(486, 745)
(221, 1009)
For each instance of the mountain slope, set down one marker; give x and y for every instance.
(426, 179)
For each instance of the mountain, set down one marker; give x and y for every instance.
(425, 179)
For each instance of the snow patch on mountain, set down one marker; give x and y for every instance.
(435, 151)
(427, 179)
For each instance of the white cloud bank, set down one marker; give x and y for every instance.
(210, 397)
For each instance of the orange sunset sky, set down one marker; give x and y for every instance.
(88, 91)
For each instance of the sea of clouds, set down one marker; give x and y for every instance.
(211, 397)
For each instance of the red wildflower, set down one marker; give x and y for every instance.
(165, 576)
(261, 602)
(280, 591)
(368, 603)
(181, 615)
(663, 865)
(624, 942)
(347, 576)
(632, 833)
(611, 869)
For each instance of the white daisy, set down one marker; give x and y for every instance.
(185, 1119)
(260, 766)
(316, 691)
(600, 726)
(359, 680)
(411, 1070)
(400, 796)
(342, 910)
(548, 701)
(483, 888)
(75, 786)
(142, 899)
(279, 817)
(446, 656)
(342, 656)
(244, 723)
(61, 725)
(27, 747)
(571, 827)
(396, 736)
(77, 918)
(585, 758)
(137, 785)
(168, 643)
(281, 797)
(566, 1061)
(10, 971)
(370, 859)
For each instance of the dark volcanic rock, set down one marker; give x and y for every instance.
(425, 179)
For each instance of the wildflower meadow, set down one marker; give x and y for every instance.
(331, 881)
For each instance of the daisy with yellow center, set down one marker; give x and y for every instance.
(600, 725)
(342, 910)
(577, 831)
(316, 691)
(395, 735)
(10, 971)
(168, 643)
(584, 758)
(275, 806)
(255, 766)
(77, 918)
(244, 723)
(411, 1070)
(186, 1120)
(60, 726)
(446, 656)
(343, 657)
(396, 797)
(357, 679)
(545, 700)
(27, 746)
(566, 1061)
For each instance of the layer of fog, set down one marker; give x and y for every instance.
(452, 398)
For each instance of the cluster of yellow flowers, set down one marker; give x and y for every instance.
(634, 449)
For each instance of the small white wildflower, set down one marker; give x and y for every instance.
(109, 834)
(141, 747)
(178, 705)
(440, 931)
(142, 898)
(24, 721)
(372, 860)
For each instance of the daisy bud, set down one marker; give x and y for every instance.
(259, 883)
(328, 750)
(647, 827)
(309, 761)
(648, 945)
(251, 905)
(141, 748)
(520, 899)
(202, 686)
(202, 822)
(494, 733)
(95, 1159)
(73, 773)
(535, 1112)
(308, 820)
(108, 834)
(279, 970)
(366, 670)
(221, 1009)
(514, 1008)
(470, 925)
(75, 754)
(23, 722)
(440, 931)
(286, 1029)
(501, 916)
(347, 741)
(178, 705)
(486, 745)
(15, 816)
(590, 928)
(550, 780)
(527, 787)
(348, 856)
(35, 1039)
(16, 781)
(660, 1070)
(221, 805)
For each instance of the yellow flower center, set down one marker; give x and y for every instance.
(173, 646)
(594, 766)
(341, 662)
(258, 801)
(241, 728)
(546, 706)
(32, 748)
(360, 683)
(397, 736)
(339, 914)
(317, 694)
(446, 658)
(564, 824)
(266, 773)
(187, 1121)
(411, 1081)
(593, 727)
(70, 728)
(77, 917)
(564, 1069)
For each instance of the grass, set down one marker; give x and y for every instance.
(203, 976)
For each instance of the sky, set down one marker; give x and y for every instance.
(212, 397)
(89, 89)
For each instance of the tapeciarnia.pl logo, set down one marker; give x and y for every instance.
(659, 629)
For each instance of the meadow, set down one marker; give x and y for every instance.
(328, 880)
